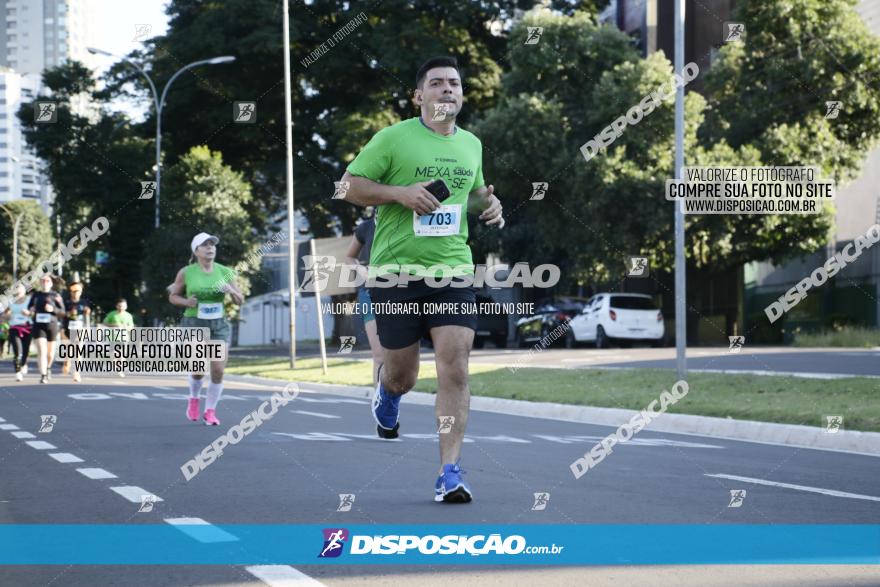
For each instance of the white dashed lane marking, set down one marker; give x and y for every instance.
(200, 530)
(8, 427)
(831, 492)
(95, 473)
(22, 434)
(316, 414)
(133, 493)
(40, 445)
(65, 457)
(315, 400)
(282, 576)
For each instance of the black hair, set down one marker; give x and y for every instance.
(121, 301)
(436, 62)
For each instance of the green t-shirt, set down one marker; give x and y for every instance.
(123, 319)
(407, 153)
(206, 286)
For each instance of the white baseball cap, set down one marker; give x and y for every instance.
(201, 239)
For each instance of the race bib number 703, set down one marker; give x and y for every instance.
(444, 221)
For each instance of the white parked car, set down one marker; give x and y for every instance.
(616, 317)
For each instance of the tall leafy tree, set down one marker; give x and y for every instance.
(204, 195)
(35, 241)
(362, 83)
(769, 94)
(562, 91)
(95, 165)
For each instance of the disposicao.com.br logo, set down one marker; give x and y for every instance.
(334, 540)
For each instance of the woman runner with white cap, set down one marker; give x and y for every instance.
(201, 288)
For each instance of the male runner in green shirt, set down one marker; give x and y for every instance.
(419, 236)
(120, 317)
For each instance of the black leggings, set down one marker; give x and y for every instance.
(21, 345)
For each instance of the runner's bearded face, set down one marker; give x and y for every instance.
(441, 93)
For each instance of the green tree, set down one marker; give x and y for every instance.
(95, 165)
(35, 241)
(770, 94)
(562, 91)
(363, 83)
(201, 195)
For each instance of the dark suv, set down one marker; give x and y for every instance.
(549, 314)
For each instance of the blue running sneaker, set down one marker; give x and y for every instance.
(450, 487)
(386, 410)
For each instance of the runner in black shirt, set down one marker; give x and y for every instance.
(47, 309)
(78, 311)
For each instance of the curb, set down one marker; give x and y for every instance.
(812, 437)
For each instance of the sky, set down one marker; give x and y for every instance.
(115, 28)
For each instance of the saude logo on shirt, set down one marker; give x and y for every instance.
(456, 177)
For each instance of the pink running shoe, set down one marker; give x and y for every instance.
(211, 418)
(192, 409)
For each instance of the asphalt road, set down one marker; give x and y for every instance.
(293, 468)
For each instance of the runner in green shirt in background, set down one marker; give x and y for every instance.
(120, 317)
(201, 288)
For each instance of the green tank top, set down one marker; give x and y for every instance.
(206, 287)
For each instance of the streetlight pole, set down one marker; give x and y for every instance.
(288, 136)
(680, 264)
(159, 104)
(16, 222)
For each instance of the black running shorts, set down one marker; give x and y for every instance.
(406, 314)
(48, 330)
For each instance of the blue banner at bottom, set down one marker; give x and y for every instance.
(205, 544)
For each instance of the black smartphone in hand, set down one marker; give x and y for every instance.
(439, 190)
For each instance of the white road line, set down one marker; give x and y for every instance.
(831, 492)
(8, 427)
(165, 388)
(316, 414)
(2, 420)
(65, 457)
(257, 385)
(282, 576)
(803, 375)
(95, 473)
(22, 434)
(316, 400)
(200, 530)
(133, 493)
(40, 445)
